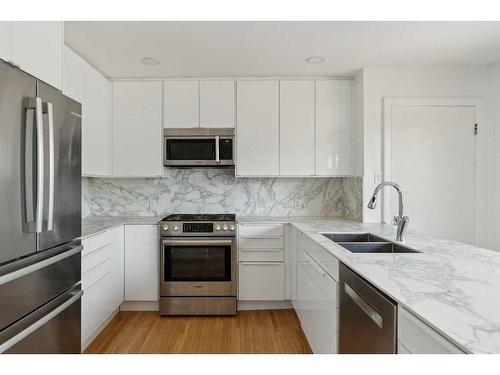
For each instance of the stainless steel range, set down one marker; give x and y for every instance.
(198, 265)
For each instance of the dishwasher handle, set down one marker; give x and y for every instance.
(363, 305)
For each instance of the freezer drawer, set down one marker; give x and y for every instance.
(52, 329)
(24, 290)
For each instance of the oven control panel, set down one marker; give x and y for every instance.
(197, 228)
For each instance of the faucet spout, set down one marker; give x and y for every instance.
(400, 220)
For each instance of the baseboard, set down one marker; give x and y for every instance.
(264, 305)
(99, 329)
(139, 306)
(242, 305)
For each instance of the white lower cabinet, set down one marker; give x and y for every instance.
(317, 305)
(261, 257)
(141, 262)
(261, 281)
(101, 280)
(416, 337)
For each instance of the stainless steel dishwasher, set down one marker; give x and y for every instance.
(367, 317)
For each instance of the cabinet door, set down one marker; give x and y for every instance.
(257, 128)
(333, 128)
(118, 265)
(137, 128)
(217, 104)
(6, 40)
(182, 104)
(37, 46)
(73, 75)
(296, 128)
(141, 262)
(261, 281)
(96, 129)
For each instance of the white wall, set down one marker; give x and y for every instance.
(382, 82)
(494, 157)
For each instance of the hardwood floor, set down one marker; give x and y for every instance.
(263, 331)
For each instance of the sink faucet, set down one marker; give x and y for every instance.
(400, 220)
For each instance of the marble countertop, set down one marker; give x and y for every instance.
(95, 224)
(453, 287)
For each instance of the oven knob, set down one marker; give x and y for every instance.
(176, 228)
(165, 227)
(217, 227)
(232, 227)
(224, 227)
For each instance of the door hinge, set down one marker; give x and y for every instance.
(475, 129)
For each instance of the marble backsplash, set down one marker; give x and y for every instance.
(210, 190)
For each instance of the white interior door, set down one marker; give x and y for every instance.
(430, 151)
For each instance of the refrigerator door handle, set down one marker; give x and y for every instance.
(48, 109)
(34, 104)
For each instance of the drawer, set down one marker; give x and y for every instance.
(257, 243)
(94, 243)
(323, 257)
(418, 338)
(96, 273)
(261, 255)
(96, 307)
(323, 282)
(96, 257)
(264, 231)
(261, 281)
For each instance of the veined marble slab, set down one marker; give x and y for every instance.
(93, 225)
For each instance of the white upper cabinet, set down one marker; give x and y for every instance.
(297, 128)
(6, 40)
(137, 125)
(37, 47)
(96, 121)
(333, 128)
(73, 75)
(182, 104)
(86, 85)
(217, 104)
(257, 128)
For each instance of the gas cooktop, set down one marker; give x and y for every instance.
(200, 217)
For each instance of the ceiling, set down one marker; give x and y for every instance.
(218, 49)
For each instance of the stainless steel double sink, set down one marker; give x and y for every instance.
(367, 243)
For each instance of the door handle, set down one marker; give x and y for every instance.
(365, 306)
(217, 156)
(34, 104)
(197, 242)
(48, 109)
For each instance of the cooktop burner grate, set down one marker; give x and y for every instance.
(200, 217)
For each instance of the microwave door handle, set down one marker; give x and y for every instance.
(48, 109)
(217, 156)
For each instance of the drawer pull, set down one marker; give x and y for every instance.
(316, 266)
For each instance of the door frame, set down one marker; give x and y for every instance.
(479, 151)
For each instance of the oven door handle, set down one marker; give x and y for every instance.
(197, 242)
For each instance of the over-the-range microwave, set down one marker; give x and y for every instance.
(184, 147)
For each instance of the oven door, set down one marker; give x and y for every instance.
(199, 150)
(198, 267)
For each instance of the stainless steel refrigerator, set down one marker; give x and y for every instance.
(40, 216)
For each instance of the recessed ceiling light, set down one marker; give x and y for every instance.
(148, 60)
(315, 60)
